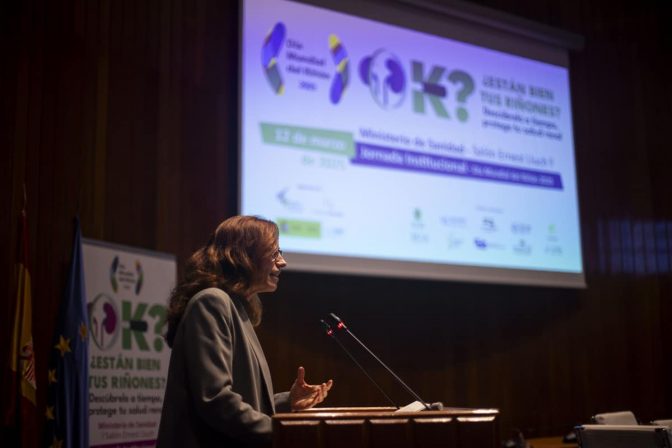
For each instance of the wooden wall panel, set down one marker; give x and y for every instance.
(126, 113)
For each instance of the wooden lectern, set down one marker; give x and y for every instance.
(382, 427)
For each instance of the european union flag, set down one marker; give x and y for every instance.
(68, 396)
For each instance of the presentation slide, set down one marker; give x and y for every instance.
(369, 141)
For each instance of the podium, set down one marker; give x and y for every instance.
(378, 427)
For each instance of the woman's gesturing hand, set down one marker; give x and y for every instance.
(303, 395)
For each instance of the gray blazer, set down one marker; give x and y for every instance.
(219, 391)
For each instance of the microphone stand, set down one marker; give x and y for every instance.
(340, 325)
(330, 332)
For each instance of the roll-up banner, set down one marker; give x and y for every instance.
(127, 291)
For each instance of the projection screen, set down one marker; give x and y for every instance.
(390, 139)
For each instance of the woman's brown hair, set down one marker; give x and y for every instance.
(230, 262)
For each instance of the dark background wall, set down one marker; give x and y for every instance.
(125, 112)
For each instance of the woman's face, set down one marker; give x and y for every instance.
(269, 272)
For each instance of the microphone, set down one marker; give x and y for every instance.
(330, 333)
(340, 325)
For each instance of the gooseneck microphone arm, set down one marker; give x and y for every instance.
(330, 333)
(340, 325)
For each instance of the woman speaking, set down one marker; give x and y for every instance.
(219, 391)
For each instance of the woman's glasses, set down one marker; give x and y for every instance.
(277, 255)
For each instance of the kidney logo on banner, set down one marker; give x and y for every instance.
(127, 291)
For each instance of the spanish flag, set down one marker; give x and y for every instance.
(21, 410)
